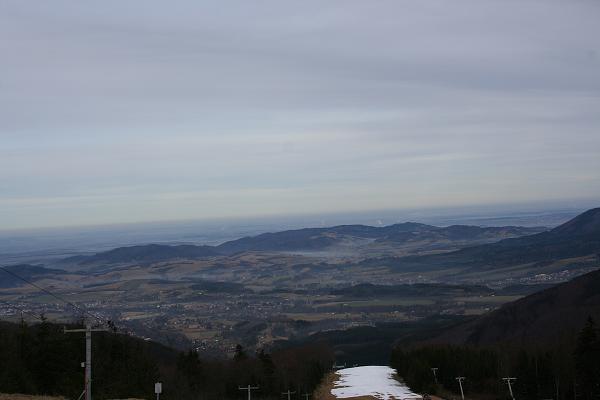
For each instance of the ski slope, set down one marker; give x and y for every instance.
(374, 381)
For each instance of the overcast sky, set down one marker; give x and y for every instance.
(124, 111)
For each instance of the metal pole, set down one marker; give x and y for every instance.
(249, 389)
(289, 394)
(508, 382)
(88, 362)
(460, 380)
(88, 356)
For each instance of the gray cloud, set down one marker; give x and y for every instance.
(138, 110)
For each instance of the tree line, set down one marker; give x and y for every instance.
(564, 371)
(40, 359)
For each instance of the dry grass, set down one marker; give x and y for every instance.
(323, 391)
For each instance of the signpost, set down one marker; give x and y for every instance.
(158, 389)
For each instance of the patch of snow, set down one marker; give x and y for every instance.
(376, 381)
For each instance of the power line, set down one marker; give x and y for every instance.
(75, 306)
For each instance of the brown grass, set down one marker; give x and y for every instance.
(323, 391)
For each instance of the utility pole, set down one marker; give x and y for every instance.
(249, 389)
(88, 356)
(434, 370)
(288, 394)
(508, 382)
(460, 380)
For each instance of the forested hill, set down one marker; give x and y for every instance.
(578, 237)
(538, 318)
(42, 359)
(322, 238)
(549, 341)
(312, 239)
(146, 254)
(25, 271)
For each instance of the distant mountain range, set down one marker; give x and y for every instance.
(314, 239)
(453, 253)
(542, 317)
(576, 238)
(323, 238)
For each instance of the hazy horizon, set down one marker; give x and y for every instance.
(365, 217)
(43, 244)
(126, 112)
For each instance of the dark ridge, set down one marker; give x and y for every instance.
(321, 238)
(307, 239)
(538, 318)
(576, 238)
(147, 254)
(587, 223)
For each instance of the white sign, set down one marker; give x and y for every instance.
(158, 387)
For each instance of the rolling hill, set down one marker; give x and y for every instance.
(26, 271)
(322, 238)
(313, 239)
(150, 253)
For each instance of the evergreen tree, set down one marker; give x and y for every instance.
(240, 354)
(587, 362)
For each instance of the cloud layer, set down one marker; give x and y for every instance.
(143, 110)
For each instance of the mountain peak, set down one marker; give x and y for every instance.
(584, 224)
